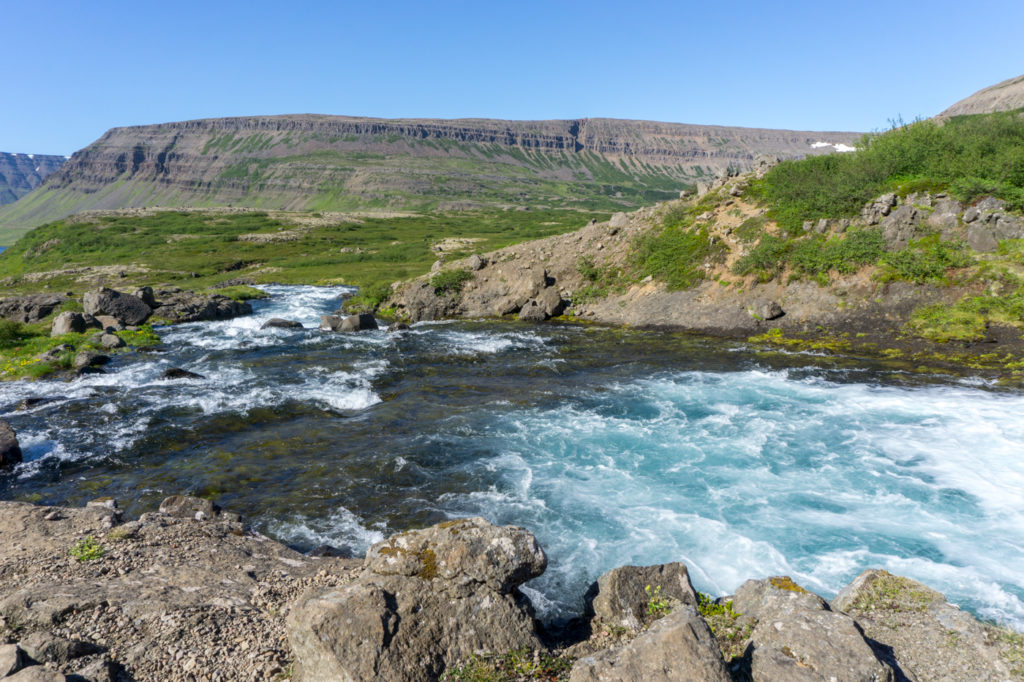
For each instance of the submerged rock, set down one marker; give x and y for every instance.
(279, 323)
(178, 373)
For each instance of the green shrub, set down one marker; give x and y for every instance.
(766, 259)
(449, 282)
(925, 261)
(677, 255)
(11, 332)
(972, 156)
(86, 549)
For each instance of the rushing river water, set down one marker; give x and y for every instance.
(612, 446)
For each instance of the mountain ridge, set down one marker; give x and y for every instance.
(323, 162)
(1003, 96)
(22, 173)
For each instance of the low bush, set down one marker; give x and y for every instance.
(677, 255)
(449, 282)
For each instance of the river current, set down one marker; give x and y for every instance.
(612, 446)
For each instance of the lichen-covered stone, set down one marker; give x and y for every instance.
(621, 596)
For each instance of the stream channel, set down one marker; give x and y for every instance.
(612, 446)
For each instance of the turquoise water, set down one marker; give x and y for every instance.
(612, 446)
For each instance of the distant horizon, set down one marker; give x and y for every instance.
(82, 71)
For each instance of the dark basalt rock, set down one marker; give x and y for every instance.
(178, 373)
(279, 323)
(10, 451)
(127, 309)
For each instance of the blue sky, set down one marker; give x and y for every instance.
(75, 69)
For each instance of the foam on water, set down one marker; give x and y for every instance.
(753, 473)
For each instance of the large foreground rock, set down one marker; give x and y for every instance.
(799, 638)
(928, 636)
(426, 600)
(680, 646)
(10, 451)
(352, 323)
(127, 309)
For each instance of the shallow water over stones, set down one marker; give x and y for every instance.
(613, 446)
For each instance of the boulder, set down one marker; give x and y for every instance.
(330, 323)
(980, 238)
(424, 601)
(88, 358)
(188, 507)
(178, 373)
(68, 322)
(10, 451)
(766, 310)
(621, 596)
(145, 294)
(45, 647)
(900, 226)
(184, 306)
(476, 262)
(946, 216)
(764, 163)
(929, 637)
(397, 327)
(618, 220)
(111, 341)
(279, 323)
(798, 637)
(12, 659)
(127, 309)
(532, 312)
(680, 646)
(30, 309)
(36, 673)
(109, 322)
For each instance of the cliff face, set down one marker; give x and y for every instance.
(340, 163)
(22, 173)
(1005, 96)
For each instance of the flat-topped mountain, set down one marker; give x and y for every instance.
(22, 173)
(1005, 96)
(314, 162)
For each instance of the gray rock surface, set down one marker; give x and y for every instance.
(620, 597)
(36, 673)
(188, 507)
(797, 637)
(12, 659)
(68, 322)
(127, 309)
(88, 358)
(45, 647)
(358, 323)
(111, 341)
(10, 451)
(167, 599)
(178, 373)
(425, 600)
(928, 636)
(30, 309)
(679, 646)
(184, 306)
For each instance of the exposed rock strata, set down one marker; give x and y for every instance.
(22, 173)
(302, 158)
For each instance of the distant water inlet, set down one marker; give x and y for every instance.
(613, 446)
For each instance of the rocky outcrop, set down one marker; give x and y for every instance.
(158, 598)
(679, 646)
(425, 600)
(22, 173)
(798, 637)
(10, 451)
(30, 309)
(926, 634)
(175, 305)
(621, 596)
(1005, 96)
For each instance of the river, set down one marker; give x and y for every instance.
(613, 446)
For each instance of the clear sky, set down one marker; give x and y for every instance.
(75, 69)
